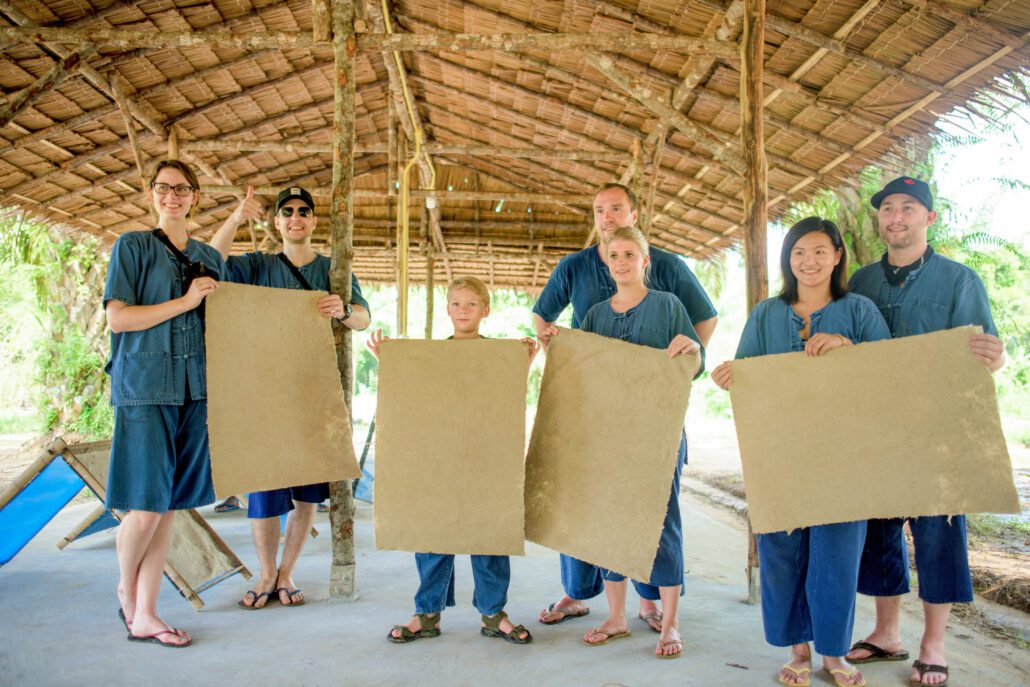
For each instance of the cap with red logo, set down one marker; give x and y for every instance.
(910, 187)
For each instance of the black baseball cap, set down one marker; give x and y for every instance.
(910, 187)
(294, 193)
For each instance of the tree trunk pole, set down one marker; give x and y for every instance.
(341, 514)
(752, 42)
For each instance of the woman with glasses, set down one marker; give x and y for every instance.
(159, 452)
(810, 575)
(298, 266)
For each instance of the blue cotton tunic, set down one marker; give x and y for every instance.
(266, 269)
(941, 294)
(157, 365)
(654, 322)
(774, 327)
(583, 280)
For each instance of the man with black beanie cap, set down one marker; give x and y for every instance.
(919, 291)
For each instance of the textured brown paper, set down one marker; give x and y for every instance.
(603, 450)
(276, 413)
(450, 446)
(885, 429)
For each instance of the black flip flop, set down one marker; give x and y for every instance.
(876, 654)
(257, 597)
(565, 616)
(924, 668)
(154, 639)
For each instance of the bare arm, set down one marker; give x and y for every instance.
(705, 329)
(249, 208)
(544, 330)
(122, 317)
(359, 318)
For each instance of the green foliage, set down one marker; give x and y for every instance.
(56, 282)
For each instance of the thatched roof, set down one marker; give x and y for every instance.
(519, 136)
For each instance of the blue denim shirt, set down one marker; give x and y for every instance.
(654, 321)
(774, 327)
(266, 269)
(155, 366)
(941, 294)
(583, 279)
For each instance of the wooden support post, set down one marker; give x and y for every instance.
(173, 143)
(321, 21)
(130, 131)
(430, 267)
(636, 169)
(341, 514)
(752, 43)
(44, 84)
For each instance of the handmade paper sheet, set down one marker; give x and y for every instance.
(603, 450)
(896, 428)
(276, 411)
(450, 446)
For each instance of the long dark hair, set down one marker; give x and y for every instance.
(839, 277)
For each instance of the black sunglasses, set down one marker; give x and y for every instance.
(288, 212)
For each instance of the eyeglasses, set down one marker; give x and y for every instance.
(182, 190)
(288, 212)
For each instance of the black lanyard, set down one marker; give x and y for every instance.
(163, 237)
(296, 272)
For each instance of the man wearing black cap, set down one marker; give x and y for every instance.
(297, 267)
(919, 291)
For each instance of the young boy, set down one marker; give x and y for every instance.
(468, 302)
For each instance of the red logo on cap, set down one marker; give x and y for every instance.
(910, 182)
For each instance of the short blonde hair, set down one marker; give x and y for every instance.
(631, 233)
(472, 284)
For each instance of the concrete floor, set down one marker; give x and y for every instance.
(58, 624)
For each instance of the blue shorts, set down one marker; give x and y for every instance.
(942, 559)
(159, 458)
(276, 502)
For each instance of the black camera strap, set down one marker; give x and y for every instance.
(296, 272)
(163, 237)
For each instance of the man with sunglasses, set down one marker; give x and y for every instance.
(298, 266)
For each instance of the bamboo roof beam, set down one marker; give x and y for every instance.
(27, 96)
(655, 104)
(124, 39)
(235, 145)
(130, 130)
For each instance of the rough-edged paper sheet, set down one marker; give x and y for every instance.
(450, 446)
(276, 412)
(885, 429)
(603, 450)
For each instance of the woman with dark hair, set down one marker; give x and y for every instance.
(156, 282)
(810, 575)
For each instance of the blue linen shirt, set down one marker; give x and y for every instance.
(774, 327)
(266, 269)
(941, 294)
(654, 322)
(156, 366)
(583, 280)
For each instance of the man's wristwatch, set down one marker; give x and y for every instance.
(348, 310)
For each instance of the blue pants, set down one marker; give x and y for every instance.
(436, 582)
(808, 579)
(667, 570)
(276, 502)
(159, 458)
(942, 559)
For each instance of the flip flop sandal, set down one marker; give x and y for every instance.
(876, 654)
(492, 628)
(845, 679)
(253, 604)
(609, 637)
(572, 615)
(429, 627)
(649, 617)
(289, 594)
(125, 622)
(924, 668)
(230, 504)
(665, 644)
(799, 672)
(155, 638)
